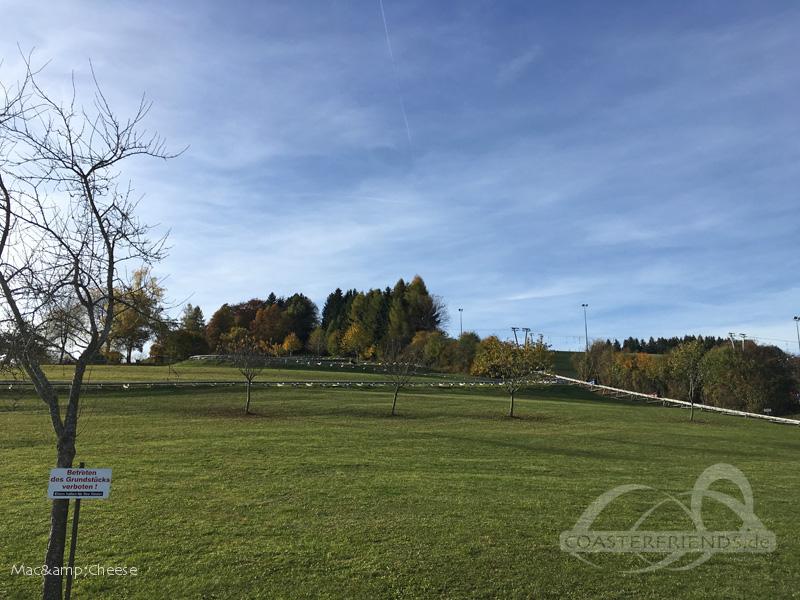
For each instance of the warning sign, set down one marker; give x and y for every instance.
(79, 484)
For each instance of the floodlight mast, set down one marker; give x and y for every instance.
(585, 327)
(797, 326)
(460, 322)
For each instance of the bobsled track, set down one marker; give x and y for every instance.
(542, 378)
(620, 393)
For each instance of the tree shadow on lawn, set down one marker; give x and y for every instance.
(229, 412)
(285, 410)
(536, 446)
(483, 416)
(698, 450)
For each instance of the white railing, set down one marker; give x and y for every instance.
(726, 411)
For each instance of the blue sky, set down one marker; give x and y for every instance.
(643, 157)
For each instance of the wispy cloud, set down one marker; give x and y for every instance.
(645, 164)
(516, 67)
(568, 286)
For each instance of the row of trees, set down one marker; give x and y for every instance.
(360, 324)
(662, 345)
(352, 323)
(269, 321)
(747, 377)
(356, 324)
(513, 364)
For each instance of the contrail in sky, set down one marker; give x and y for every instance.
(394, 68)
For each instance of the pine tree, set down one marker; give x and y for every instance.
(399, 329)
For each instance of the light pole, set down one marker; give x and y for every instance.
(460, 322)
(585, 327)
(744, 337)
(797, 326)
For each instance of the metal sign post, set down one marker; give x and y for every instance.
(77, 484)
(73, 542)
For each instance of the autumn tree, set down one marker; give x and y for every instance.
(750, 379)
(685, 366)
(514, 365)
(270, 324)
(67, 230)
(292, 343)
(333, 342)
(232, 339)
(466, 347)
(245, 312)
(219, 324)
(316, 342)
(355, 340)
(137, 311)
(301, 317)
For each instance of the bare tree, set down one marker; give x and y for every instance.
(248, 358)
(11, 376)
(400, 364)
(68, 232)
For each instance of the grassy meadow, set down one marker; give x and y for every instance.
(320, 494)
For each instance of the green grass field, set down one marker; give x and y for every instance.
(320, 494)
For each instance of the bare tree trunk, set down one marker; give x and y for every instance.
(59, 513)
(394, 402)
(247, 406)
(511, 410)
(129, 351)
(54, 560)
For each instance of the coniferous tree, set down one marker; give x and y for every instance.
(398, 314)
(332, 307)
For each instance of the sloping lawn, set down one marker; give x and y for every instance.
(322, 494)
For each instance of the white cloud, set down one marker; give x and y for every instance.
(515, 68)
(648, 171)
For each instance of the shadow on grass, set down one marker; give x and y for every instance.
(534, 445)
(282, 409)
